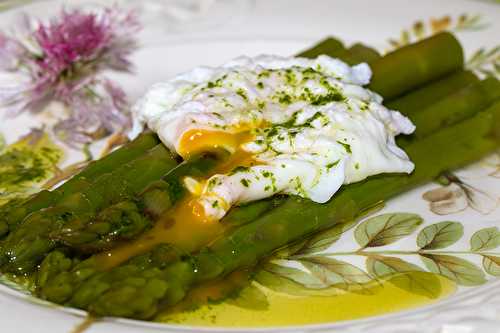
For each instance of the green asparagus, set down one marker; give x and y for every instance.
(11, 216)
(60, 277)
(127, 219)
(245, 214)
(412, 66)
(238, 216)
(433, 92)
(329, 46)
(359, 53)
(246, 245)
(26, 246)
(415, 100)
(454, 108)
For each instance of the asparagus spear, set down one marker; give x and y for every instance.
(25, 247)
(433, 92)
(127, 219)
(11, 216)
(59, 276)
(414, 65)
(296, 218)
(250, 211)
(416, 99)
(454, 108)
(329, 46)
(406, 68)
(359, 53)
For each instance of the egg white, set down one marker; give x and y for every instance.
(322, 128)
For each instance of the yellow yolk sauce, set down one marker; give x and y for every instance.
(185, 225)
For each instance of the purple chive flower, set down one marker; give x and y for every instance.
(62, 60)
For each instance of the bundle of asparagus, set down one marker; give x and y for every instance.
(28, 244)
(454, 113)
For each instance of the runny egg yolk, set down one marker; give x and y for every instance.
(186, 225)
(199, 140)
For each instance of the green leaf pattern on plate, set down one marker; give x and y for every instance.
(491, 264)
(316, 272)
(325, 239)
(440, 235)
(335, 272)
(485, 62)
(386, 229)
(485, 239)
(462, 271)
(381, 266)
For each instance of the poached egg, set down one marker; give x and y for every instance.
(293, 125)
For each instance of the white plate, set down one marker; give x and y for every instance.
(285, 27)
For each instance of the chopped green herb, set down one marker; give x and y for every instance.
(333, 164)
(290, 76)
(264, 74)
(266, 174)
(239, 169)
(328, 98)
(272, 131)
(346, 146)
(285, 99)
(242, 94)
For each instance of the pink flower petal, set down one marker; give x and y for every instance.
(74, 48)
